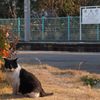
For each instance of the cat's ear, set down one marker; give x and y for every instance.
(15, 59)
(5, 59)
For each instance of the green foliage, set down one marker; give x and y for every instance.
(90, 80)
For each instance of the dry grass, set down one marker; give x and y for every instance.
(65, 84)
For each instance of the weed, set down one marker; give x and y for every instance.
(90, 80)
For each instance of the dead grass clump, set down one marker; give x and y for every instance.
(2, 76)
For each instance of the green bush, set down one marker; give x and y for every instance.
(90, 80)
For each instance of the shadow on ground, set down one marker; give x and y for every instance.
(10, 96)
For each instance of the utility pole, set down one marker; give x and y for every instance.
(27, 34)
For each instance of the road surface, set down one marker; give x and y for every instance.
(64, 60)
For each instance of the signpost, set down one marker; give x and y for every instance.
(89, 15)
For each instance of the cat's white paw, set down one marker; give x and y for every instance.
(32, 95)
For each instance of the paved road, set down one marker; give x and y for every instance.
(65, 60)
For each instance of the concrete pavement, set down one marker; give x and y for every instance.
(64, 60)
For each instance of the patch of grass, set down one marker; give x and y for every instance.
(88, 80)
(2, 76)
(64, 88)
(3, 81)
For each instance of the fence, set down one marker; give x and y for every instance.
(55, 29)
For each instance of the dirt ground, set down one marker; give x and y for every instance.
(65, 84)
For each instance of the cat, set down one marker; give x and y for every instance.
(22, 81)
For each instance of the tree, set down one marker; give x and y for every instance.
(20, 8)
(64, 7)
(15, 8)
(11, 8)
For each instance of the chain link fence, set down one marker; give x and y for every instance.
(55, 29)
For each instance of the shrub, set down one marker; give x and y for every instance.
(8, 43)
(4, 47)
(4, 43)
(90, 80)
(7, 49)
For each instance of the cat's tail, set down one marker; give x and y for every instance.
(43, 93)
(46, 94)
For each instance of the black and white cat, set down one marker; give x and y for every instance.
(22, 81)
